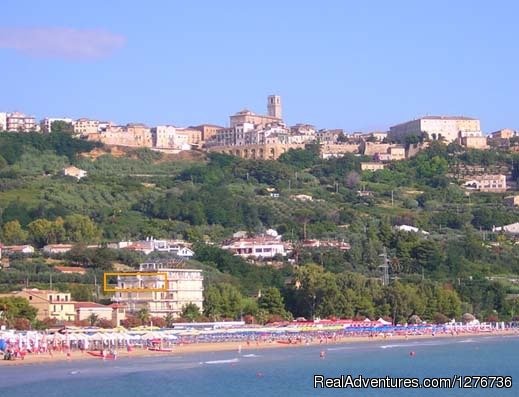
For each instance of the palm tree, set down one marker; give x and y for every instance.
(169, 319)
(144, 316)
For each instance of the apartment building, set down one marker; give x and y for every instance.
(19, 122)
(180, 287)
(505, 133)
(49, 303)
(208, 131)
(86, 126)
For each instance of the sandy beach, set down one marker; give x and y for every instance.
(180, 349)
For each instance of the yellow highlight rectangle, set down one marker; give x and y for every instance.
(107, 288)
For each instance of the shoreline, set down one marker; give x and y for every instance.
(213, 347)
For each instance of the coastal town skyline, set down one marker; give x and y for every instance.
(356, 67)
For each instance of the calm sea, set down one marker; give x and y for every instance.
(276, 372)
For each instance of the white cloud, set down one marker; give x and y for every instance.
(55, 42)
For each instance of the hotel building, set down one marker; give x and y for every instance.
(183, 286)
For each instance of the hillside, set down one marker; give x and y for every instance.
(135, 194)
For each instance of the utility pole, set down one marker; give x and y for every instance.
(95, 288)
(385, 268)
(392, 198)
(289, 184)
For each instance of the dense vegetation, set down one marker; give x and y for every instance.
(460, 266)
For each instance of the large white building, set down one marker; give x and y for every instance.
(183, 286)
(171, 137)
(257, 247)
(448, 128)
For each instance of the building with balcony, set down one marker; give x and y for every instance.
(49, 303)
(183, 286)
(86, 126)
(19, 122)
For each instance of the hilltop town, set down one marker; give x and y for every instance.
(257, 136)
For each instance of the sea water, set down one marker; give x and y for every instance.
(273, 372)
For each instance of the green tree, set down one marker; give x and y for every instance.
(191, 312)
(81, 292)
(223, 301)
(12, 233)
(41, 231)
(315, 293)
(3, 163)
(80, 228)
(60, 126)
(272, 301)
(15, 307)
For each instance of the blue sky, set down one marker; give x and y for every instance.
(357, 65)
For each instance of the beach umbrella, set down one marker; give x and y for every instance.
(151, 335)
